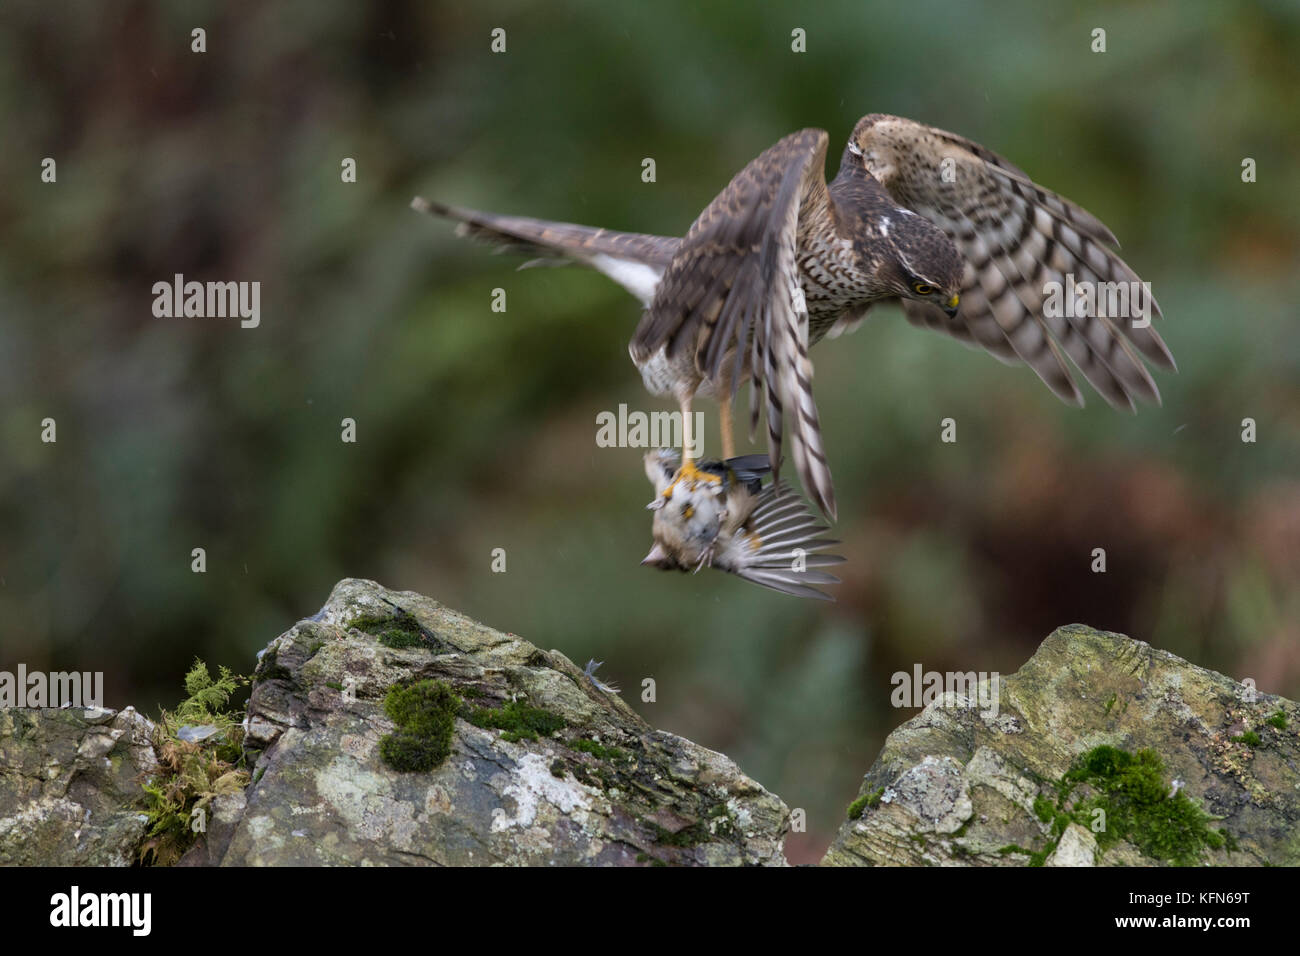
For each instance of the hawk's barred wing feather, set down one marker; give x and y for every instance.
(731, 296)
(1016, 237)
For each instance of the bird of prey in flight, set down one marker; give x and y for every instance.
(966, 242)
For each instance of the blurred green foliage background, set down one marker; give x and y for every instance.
(477, 429)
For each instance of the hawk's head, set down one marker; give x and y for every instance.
(926, 265)
(921, 262)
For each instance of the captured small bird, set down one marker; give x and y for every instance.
(719, 515)
(965, 241)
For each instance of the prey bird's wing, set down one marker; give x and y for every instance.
(1016, 237)
(633, 259)
(732, 295)
(780, 546)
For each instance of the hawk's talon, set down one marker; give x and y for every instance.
(689, 472)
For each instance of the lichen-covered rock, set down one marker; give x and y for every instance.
(385, 736)
(540, 766)
(70, 782)
(1057, 774)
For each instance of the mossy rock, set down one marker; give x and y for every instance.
(1102, 750)
(476, 748)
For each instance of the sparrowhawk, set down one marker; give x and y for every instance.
(963, 239)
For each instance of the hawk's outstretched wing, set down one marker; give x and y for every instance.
(732, 293)
(632, 259)
(1016, 237)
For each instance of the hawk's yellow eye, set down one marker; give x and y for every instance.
(921, 288)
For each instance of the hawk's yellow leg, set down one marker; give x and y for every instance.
(724, 414)
(688, 469)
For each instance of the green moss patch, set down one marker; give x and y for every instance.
(600, 751)
(398, 630)
(1036, 857)
(399, 638)
(520, 721)
(1134, 796)
(425, 713)
(1043, 809)
(869, 799)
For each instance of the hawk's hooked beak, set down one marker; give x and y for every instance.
(950, 307)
